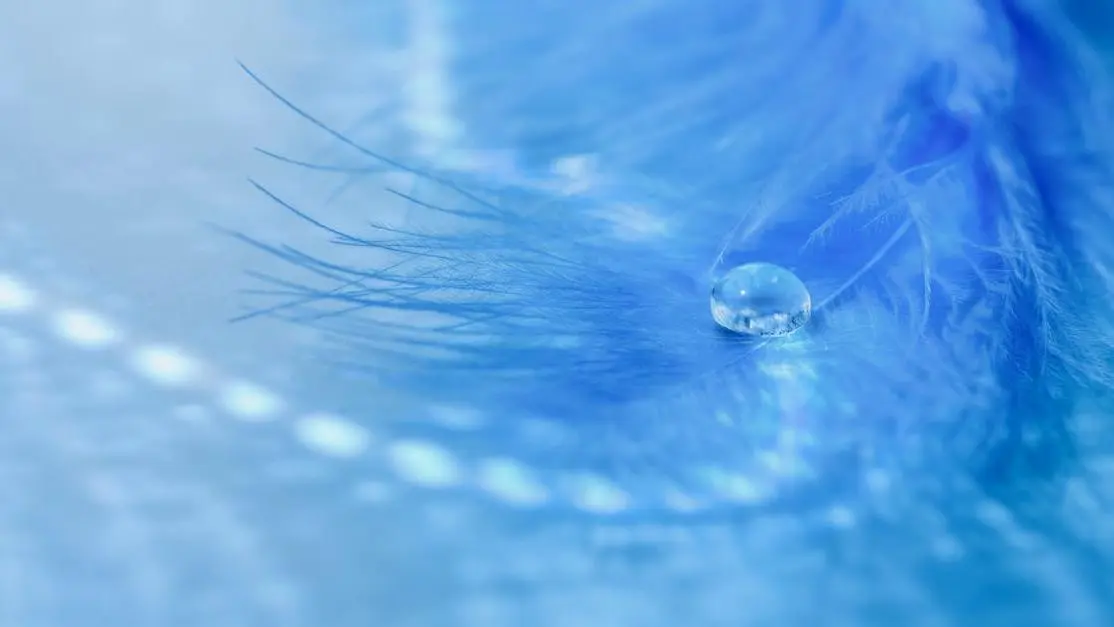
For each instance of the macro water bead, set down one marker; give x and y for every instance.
(760, 299)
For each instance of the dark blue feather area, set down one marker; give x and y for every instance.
(935, 173)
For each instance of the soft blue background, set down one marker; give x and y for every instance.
(127, 131)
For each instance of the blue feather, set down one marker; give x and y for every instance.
(938, 174)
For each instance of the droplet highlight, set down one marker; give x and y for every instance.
(761, 299)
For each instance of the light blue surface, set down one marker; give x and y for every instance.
(504, 402)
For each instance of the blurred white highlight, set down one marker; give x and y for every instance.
(85, 328)
(15, 296)
(425, 464)
(166, 365)
(332, 436)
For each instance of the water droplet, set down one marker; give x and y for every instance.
(761, 299)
